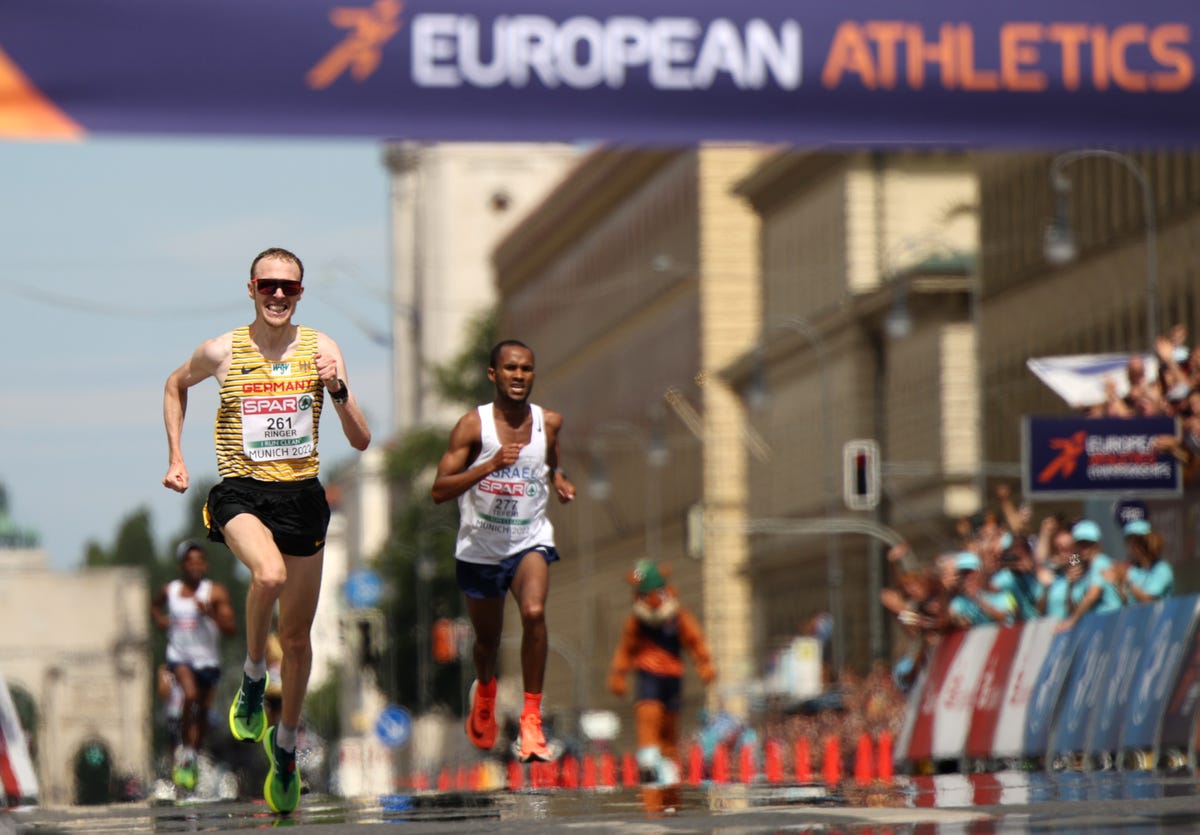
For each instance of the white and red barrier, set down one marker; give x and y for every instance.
(1117, 683)
(18, 780)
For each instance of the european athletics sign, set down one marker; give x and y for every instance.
(1081, 457)
(857, 73)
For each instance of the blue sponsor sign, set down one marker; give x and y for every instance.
(1085, 682)
(394, 726)
(852, 73)
(1179, 723)
(1047, 688)
(1156, 673)
(1131, 635)
(1081, 458)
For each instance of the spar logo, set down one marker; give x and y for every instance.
(276, 405)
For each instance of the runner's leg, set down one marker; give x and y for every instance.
(297, 608)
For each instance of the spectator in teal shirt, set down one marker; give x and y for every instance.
(973, 603)
(1148, 577)
(1096, 590)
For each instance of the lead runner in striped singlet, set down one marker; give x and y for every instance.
(270, 506)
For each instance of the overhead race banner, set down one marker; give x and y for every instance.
(857, 72)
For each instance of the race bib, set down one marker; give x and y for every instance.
(277, 427)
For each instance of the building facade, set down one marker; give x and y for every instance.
(76, 647)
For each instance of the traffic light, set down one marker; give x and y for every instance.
(861, 474)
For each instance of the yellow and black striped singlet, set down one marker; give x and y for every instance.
(266, 426)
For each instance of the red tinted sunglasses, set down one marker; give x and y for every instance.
(268, 286)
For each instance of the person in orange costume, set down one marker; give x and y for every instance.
(652, 642)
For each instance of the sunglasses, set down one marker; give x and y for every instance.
(268, 286)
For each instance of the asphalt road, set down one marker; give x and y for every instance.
(1009, 803)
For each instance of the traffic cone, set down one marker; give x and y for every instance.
(569, 778)
(864, 768)
(720, 766)
(885, 758)
(802, 761)
(832, 762)
(773, 756)
(420, 782)
(629, 770)
(587, 779)
(608, 770)
(516, 780)
(746, 763)
(460, 779)
(695, 769)
(443, 781)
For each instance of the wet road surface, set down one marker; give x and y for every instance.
(1007, 802)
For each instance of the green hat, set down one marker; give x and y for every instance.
(648, 577)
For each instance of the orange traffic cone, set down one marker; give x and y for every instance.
(720, 764)
(516, 780)
(885, 758)
(746, 763)
(773, 756)
(608, 770)
(864, 768)
(802, 761)
(629, 770)
(587, 779)
(832, 761)
(443, 781)
(695, 769)
(569, 778)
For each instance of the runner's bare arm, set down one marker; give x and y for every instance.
(562, 485)
(211, 359)
(331, 368)
(220, 609)
(453, 475)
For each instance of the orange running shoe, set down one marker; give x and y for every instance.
(481, 721)
(531, 744)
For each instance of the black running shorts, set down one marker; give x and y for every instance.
(295, 512)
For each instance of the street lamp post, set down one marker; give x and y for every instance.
(1059, 242)
(833, 550)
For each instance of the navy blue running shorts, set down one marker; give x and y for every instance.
(656, 688)
(205, 676)
(295, 512)
(487, 580)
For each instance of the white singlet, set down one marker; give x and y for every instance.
(505, 513)
(191, 637)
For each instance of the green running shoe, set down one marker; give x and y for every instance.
(247, 719)
(184, 776)
(282, 788)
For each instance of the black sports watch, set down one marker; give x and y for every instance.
(341, 395)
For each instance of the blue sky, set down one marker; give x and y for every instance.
(119, 257)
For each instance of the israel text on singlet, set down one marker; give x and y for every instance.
(266, 426)
(505, 513)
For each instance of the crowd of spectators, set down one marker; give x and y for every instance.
(1004, 571)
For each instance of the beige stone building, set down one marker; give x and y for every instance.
(867, 334)
(450, 203)
(76, 647)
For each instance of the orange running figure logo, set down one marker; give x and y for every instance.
(1069, 451)
(359, 52)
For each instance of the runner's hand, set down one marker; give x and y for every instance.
(176, 478)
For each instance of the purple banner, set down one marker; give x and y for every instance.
(857, 73)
